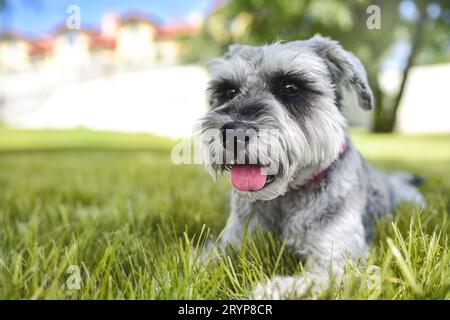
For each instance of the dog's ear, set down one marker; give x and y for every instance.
(346, 65)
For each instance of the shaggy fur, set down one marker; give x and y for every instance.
(325, 218)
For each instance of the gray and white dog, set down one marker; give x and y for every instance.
(313, 187)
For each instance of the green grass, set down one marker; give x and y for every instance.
(114, 205)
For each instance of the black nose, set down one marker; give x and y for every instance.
(236, 135)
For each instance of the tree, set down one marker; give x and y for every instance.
(425, 34)
(263, 21)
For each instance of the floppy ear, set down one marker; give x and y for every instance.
(346, 65)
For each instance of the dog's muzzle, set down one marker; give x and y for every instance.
(245, 175)
(236, 136)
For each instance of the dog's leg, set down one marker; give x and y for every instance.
(328, 251)
(403, 189)
(316, 279)
(238, 222)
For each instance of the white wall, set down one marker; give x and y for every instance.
(425, 106)
(165, 101)
(14, 55)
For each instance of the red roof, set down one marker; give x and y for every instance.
(99, 41)
(41, 47)
(172, 30)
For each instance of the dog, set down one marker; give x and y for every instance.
(307, 181)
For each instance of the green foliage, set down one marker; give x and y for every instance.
(263, 21)
(116, 207)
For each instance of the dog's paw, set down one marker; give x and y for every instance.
(282, 288)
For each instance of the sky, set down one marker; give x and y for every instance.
(37, 17)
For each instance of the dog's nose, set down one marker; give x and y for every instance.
(236, 125)
(236, 135)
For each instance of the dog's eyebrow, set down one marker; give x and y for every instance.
(299, 73)
(292, 74)
(219, 84)
(302, 77)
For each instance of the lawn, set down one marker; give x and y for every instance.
(113, 211)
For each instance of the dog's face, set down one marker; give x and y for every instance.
(286, 98)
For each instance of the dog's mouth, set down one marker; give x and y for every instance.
(250, 177)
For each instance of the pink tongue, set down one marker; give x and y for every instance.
(247, 177)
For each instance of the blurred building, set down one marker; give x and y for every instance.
(119, 76)
(133, 40)
(40, 51)
(136, 40)
(168, 46)
(71, 49)
(14, 52)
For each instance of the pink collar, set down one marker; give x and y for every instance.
(322, 172)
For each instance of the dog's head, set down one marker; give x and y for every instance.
(275, 113)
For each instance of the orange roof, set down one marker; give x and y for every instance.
(99, 41)
(41, 46)
(172, 30)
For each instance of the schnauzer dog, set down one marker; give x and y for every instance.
(295, 170)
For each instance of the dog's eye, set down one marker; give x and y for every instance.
(290, 89)
(231, 93)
